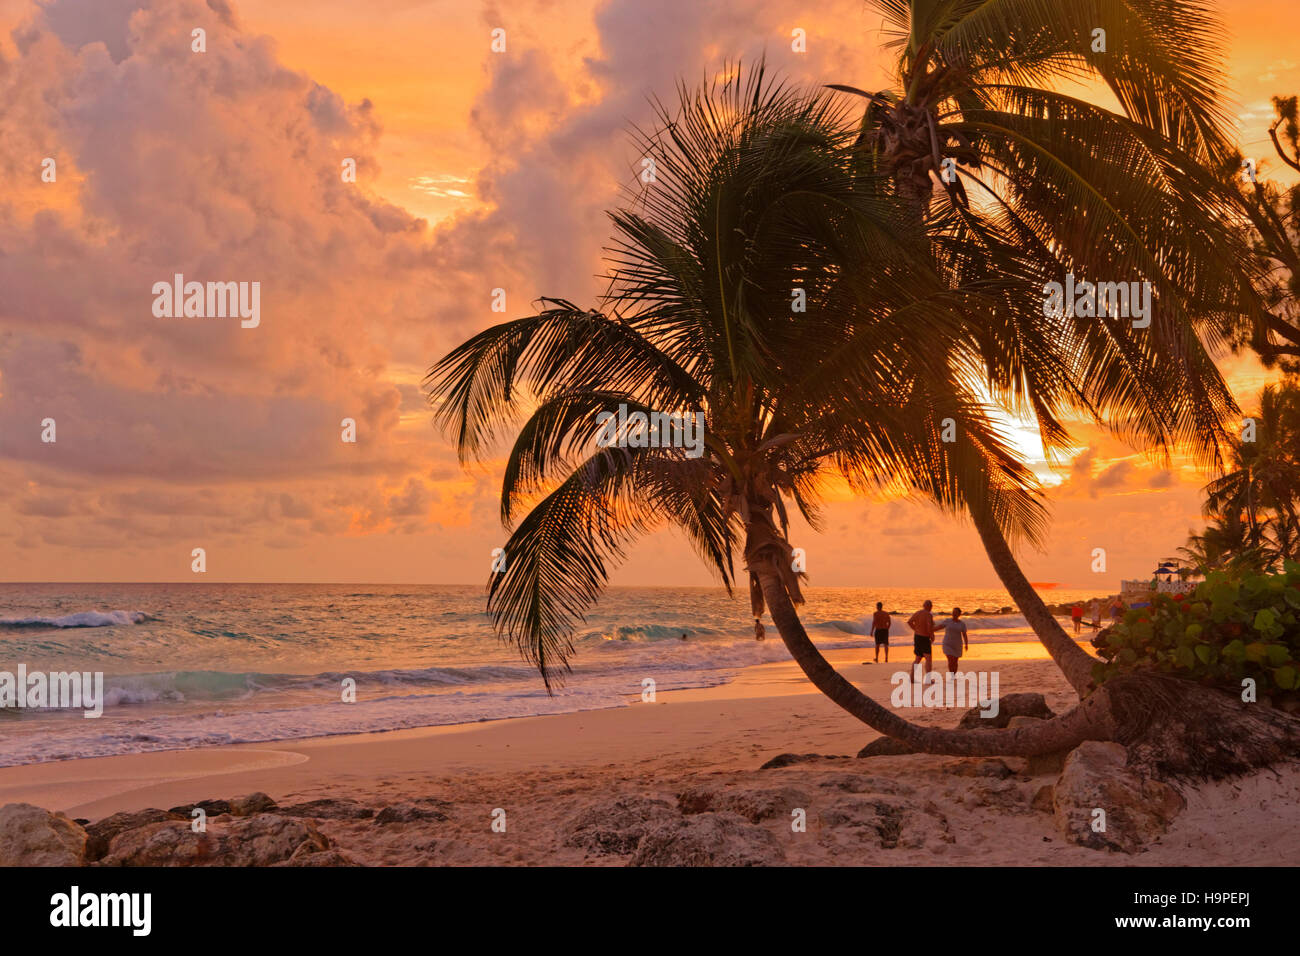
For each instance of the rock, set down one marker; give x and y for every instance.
(1000, 794)
(617, 826)
(865, 783)
(1043, 798)
(32, 836)
(979, 767)
(1009, 706)
(318, 858)
(926, 828)
(213, 808)
(253, 803)
(408, 813)
(885, 747)
(884, 820)
(1045, 764)
(752, 804)
(708, 839)
(1096, 777)
(328, 809)
(785, 760)
(260, 840)
(101, 834)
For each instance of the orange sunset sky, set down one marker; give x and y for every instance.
(476, 171)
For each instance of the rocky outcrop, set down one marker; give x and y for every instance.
(617, 826)
(32, 836)
(708, 839)
(786, 760)
(753, 804)
(260, 840)
(101, 833)
(411, 813)
(881, 820)
(1134, 810)
(328, 809)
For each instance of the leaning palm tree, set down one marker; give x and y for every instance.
(768, 282)
(1017, 184)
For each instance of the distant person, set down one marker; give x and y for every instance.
(683, 636)
(1076, 615)
(759, 633)
(1116, 611)
(922, 625)
(1095, 608)
(880, 622)
(955, 639)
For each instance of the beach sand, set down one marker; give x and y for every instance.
(547, 772)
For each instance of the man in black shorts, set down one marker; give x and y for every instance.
(880, 622)
(922, 625)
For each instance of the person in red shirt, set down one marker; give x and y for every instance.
(1076, 615)
(880, 622)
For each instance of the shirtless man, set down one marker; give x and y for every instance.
(922, 625)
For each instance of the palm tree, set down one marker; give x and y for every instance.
(760, 192)
(1017, 184)
(1259, 492)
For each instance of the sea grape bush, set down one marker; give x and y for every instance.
(1233, 626)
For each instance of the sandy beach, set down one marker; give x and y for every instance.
(557, 777)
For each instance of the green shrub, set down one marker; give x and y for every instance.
(1235, 625)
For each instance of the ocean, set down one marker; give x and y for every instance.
(192, 665)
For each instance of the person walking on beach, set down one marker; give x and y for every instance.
(954, 639)
(922, 625)
(1076, 615)
(1116, 611)
(880, 622)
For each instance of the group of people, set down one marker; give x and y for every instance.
(955, 639)
(1094, 611)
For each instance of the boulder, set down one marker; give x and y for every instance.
(213, 808)
(101, 834)
(1043, 799)
(708, 839)
(754, 805)
(260, 840)
(32, 836)
(251, 804)
(1096, 777)
(617, 826)
(1009, 706)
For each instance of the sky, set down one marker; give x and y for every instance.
(475, 170)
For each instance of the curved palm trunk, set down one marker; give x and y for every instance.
(1088, 721)
(1075, 663)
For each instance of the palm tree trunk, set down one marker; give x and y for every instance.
(1088, 721)
(1075, 663)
